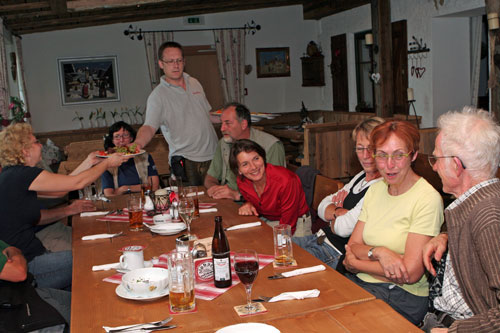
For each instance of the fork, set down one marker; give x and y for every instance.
(262, 299)
(153, 323)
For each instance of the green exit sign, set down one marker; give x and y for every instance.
(194, 20)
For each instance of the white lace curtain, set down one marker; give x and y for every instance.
(476, 30)
(230, 47)
(152, 42)
(4, 81)
(22, 82)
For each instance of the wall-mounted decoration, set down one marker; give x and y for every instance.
(88, 80)
(273, 62)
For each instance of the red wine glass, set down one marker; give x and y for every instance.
(246, 266)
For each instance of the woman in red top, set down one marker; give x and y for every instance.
(273, 192)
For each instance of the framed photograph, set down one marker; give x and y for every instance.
(273, 62)
(88, 80)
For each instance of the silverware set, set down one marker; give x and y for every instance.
(157, 325)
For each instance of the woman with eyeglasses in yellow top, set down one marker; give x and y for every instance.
(399, 216)
(130, 175)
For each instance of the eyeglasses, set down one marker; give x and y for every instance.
(361, 150)
(171, 62)
(123, 136)
(397, 156)
(433, 159)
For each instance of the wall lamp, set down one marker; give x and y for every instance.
(493, 23)
(369, 42)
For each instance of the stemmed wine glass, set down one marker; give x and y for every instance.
(246, 266)
(186, 211)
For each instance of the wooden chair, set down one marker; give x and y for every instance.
(423, 168)
(324, 186)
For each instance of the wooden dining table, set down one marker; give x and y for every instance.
(95, 303)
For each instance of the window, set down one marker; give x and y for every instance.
(364, 69)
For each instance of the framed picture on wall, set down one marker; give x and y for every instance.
(88, 80)
(273, 62)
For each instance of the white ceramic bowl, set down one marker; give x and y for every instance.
(146, 281)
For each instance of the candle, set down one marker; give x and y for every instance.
(493, 21)
(369, 39)
(410, 94)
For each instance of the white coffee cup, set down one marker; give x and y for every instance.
(132, 257)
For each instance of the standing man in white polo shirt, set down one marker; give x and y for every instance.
(178, 104)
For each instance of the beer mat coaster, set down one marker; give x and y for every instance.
(183, 312)
(293, 264)
(203, 290)
(241, 311)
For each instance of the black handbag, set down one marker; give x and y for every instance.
(23, 310)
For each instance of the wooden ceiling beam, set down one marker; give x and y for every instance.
(315, 10)
(58, 6)
(130, 14)
(28, 6)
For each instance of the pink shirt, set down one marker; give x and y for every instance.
(283, 198)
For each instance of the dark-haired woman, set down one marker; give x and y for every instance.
(130, 175)
(273, 192)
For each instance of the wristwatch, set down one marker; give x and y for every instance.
(370, 254)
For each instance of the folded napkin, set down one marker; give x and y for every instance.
(244, 225)
(141, 328)
(208, 210)
(98, 236)
(304, 271)
(295, 295)
(192, 194)
(105, 267)
(87, 214)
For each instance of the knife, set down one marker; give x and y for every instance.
(276, 276)
(167, 327)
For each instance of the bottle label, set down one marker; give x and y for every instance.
(222, 271)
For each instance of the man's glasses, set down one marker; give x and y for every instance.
(171, 62)
(123, 136)
(433, 159)
(397, 156)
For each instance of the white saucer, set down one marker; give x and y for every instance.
(166, 229)
(123, 293)
(147, 263)
(249, 328)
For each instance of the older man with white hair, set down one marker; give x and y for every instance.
(466, 157)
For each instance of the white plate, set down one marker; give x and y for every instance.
(249, 328)
(147, 263)
(123, 293)
(168, 232)
(142, 151)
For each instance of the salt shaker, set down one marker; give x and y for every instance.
(174, 210)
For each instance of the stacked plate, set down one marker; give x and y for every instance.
(166, 229)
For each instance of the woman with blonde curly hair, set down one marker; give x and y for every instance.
(20, 183)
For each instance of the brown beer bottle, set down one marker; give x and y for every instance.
(220, 256)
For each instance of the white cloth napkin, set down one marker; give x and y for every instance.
(141, 328)
(98, 236)
(244, 225)
(87, 214)
(105, 267)
(304, 270)
(192, 194)
(295, 295)
(208, 210)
